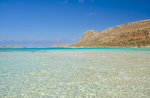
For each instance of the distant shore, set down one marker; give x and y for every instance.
(12, 47)
(115, 47)
(3, 47)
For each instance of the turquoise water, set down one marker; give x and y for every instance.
(80, 73)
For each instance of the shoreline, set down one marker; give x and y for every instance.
(70, 47)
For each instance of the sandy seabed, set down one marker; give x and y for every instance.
(99, 73)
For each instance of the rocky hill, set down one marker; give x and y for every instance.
(134, 34)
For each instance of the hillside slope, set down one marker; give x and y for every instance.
(134, 34)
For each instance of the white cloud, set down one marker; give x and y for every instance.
(92, 13)
(64, 2)
(82, 1)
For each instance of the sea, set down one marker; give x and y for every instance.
(75, 73)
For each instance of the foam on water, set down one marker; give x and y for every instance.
(85, 73)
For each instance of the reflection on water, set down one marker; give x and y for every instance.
(84, 73)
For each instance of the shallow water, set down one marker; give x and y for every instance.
(80, 73)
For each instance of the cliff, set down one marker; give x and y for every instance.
(134, 34)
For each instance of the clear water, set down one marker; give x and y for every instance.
(80, 73)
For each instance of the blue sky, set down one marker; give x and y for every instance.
(63, 21)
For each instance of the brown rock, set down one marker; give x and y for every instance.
(134, 34)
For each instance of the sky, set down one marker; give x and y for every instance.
(48, 22)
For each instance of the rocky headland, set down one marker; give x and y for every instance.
(134, 34)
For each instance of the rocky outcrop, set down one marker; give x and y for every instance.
(134, 34)
(88, 37)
